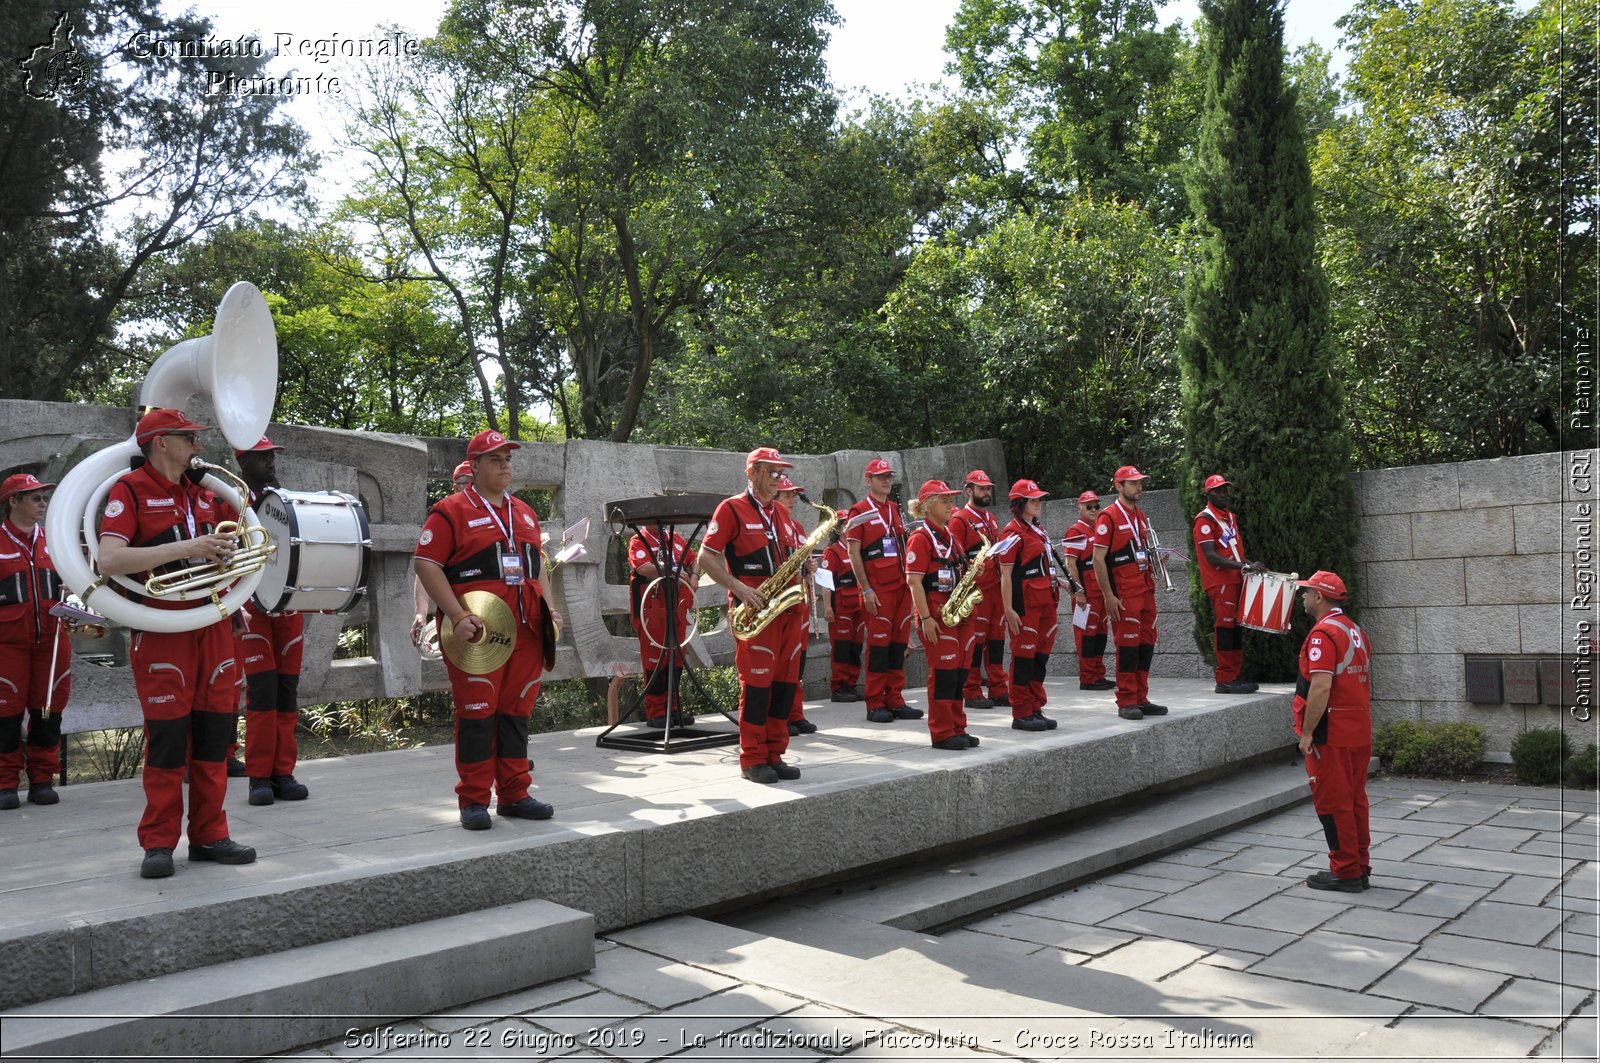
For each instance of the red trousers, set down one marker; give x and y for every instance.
(273, 647)
(1091, 641)
(1338, 776)
(1030, 650)
(948, 658)
(988, 661)
(888, 635)
(1135, 635)
(847, 632)
(491, 725)
(189, 693)
(769, 672)
(1227, 638)
(25, 685)
(653, 650)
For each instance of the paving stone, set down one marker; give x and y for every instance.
(1541, 1003)
(1421, 827)
(657, 982)
(1465, 811)
(1341, 960)
(1448, 986)
(1390, 926)
(1260, 860)
(1133, 880)
(1165, 868)
(995, 942)
(1526, 818)
(1451, 1037)
(1050, 932)
(1566, 850)
(1232, 959)
(1495, 839)
(1148, 959)
(1446, 899)
(1289, 912)
(1523, 889)
(1090, 903)
(1416, 872)
(1587, 944)
(576, 1017)
(1219, 896)
(1484, 860)
(1518, 924)
(663, 1033)
(1583, 923)
(1400, 846)
(1199, 931)
(1579, 1039)
(1200, 857)
(1209, 987)
(518, 1003)
(1584, 882)
(1546, 965)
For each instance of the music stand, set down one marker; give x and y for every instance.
(669, 512)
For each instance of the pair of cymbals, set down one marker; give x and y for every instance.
(492, 648)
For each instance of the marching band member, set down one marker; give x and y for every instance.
(847, 624)
(649, 555)
(1030, 593)
(1219, 551)
(35, 652)
(934, 562)
(745, 543)
(788, 495)
(1077, 548)
(988, 620)
(484, 538)
(875, 535)
(1125, 567)
(421, 604)
(271, 647)
(156, 517)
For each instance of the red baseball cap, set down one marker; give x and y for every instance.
(464, 469)
(163, 421)
(1128, 472)
(766, 456)
(1216, 480)
(1087, 497)
(877, 467)
(21, 483)
(979, 478)
(1026, 489)
(487, 442)
(1326, 582)
(786, 484)
(933, 488)
(261, 447)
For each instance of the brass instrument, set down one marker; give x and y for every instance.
(1157, 554)
(746, 622)
(256, 547)
(965, 597)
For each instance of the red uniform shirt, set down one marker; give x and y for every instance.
(647, 548)
(934, 556)
(881, 532)
(29, 585)
(1221, 528)
(753, 538)
(1125, 534)
(144, 508)
(1026, 547)
(846, 591)
(966, 525)
(1337, 646)
(483, 547)
(1079, 543)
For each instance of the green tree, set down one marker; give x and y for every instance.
(1260, 400)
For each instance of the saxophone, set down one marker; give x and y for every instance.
(781, 593)
(966, 596)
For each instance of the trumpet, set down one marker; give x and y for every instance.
(1158, 554)
(255, 550)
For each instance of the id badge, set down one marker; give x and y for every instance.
(1143, 557)
(511, 567)
(947, 580)
(890, 547)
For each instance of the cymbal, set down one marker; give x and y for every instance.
(494, 646)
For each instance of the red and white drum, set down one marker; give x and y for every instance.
(1268, 601)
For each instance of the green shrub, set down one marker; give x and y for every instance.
(1583, 769)
(1435, 748)
(1392, 737)
(1537, 756)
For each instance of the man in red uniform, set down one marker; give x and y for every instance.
(650, 555)
(484, 538)
(1219, 551)
(745, 543)
(1124, 565)
(1077, 547)
(967, 524)
(934, 564)
(156, 519)
(33, 645)
(875, 536)
(847, 624)
(1333, 717)
(272, 645)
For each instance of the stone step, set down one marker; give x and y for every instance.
(244, 1009)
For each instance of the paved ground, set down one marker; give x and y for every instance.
(1478, 941)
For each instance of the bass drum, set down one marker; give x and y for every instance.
(324, 551)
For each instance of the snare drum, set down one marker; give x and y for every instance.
(1268, 601)
(323, 555)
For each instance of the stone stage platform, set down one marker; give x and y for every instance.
(636, 836)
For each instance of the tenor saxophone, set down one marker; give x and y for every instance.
(779, 589)
(965, 597)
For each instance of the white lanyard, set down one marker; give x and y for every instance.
(1133, 524)
(944, 550)
(506, 526)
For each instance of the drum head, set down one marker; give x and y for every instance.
(278, 519)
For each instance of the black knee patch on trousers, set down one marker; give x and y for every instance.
(288, 692)
(658, 681)
(977, 654)
(475, 739)
(947, 683)
(1230, 638)
(166, 743)
(1127, 658)
(782, 700)
(757, 701)
(10, 733)
(877, 658)
(512, 732)
(43, 733)
(1041, 666)
(213, 733)
(847, 653)
(897, 656)
(997, 651)
(261, 692)
(1021, 670)
(1147, 653)
(1094, 645)
(1330, 830)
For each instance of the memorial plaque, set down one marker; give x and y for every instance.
(1522, 682)
(1483, 683)
(1556, 685)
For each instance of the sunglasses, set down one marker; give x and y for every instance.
(188, 437)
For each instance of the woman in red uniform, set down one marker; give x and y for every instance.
(933, 565)
(649, 554)
(788, 496)
(847, 624)
(31, 643)
(1028, 588)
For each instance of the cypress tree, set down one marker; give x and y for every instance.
(1261, 403)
